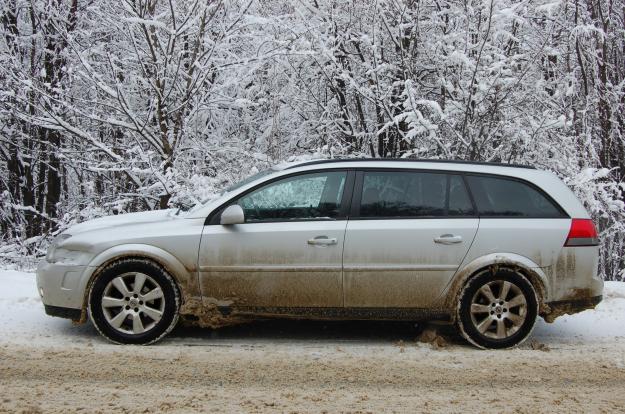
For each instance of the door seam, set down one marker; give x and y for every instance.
(343, 264)
(445, 290)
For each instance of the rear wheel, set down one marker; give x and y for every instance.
(497, 311)
(134, 301)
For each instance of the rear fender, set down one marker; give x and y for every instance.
(517, 263)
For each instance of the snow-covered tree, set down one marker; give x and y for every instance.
(119, 105)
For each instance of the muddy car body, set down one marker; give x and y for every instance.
(487, 247)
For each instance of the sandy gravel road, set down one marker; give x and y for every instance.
(302, 367)
(49, 366)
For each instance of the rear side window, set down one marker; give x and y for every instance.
(405, 194)
(501, 197)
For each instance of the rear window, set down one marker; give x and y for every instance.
(501, 197)
(405, 194)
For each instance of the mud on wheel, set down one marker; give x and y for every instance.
(497, 311)
(134, 301)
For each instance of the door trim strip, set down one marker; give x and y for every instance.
(400, 268)
(270, 268)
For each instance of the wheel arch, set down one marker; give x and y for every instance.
(493, 262)
(185, 278)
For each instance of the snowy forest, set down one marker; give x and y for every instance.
(112, 106)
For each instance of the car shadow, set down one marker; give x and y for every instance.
(289, 330)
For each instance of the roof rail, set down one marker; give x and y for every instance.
(333, 160)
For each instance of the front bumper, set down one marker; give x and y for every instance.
(67, 313)
(61, 286)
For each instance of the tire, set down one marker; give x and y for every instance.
(126, 315)
(490, 321)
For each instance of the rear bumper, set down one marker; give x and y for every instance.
(569, 307)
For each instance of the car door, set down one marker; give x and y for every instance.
(408, 235)
(287, 253)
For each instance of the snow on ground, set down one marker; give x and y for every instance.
(574, 365)
(605, 322)
(23, 320)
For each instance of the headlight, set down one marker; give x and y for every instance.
(68, 257)
(51, 255)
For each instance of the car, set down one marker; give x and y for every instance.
(487, 247)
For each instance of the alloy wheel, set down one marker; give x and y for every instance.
(133, 303)
(498, 309)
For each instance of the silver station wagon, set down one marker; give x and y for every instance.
(487, 247)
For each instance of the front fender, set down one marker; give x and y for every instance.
(185, 277)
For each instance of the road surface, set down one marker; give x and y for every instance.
(49, 366)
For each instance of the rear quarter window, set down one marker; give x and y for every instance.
(503, 197)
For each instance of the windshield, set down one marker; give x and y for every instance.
(228, 189)
(247, 180)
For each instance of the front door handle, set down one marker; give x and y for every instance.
(322, 241)
(448, 239)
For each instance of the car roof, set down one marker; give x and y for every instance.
(377, 162)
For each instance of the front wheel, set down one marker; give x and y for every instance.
(497, 311)
(134, 301)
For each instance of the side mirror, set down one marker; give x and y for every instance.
(232, 215)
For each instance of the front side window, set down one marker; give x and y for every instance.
(501, 197)
(315, 196)
(405, 194)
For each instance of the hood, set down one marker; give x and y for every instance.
(122, 220)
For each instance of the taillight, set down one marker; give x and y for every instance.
(582, 233)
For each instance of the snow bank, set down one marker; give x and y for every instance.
(23, 320)
(607, 320)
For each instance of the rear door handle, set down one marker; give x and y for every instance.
(448, 239)
(322, 241)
